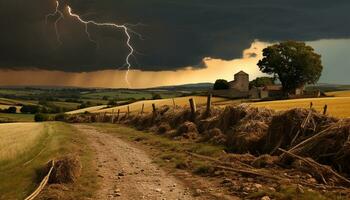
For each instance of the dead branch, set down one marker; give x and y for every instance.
(218, 161)
(313, 163)
(247, 171)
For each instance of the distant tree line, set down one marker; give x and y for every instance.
(11, 109)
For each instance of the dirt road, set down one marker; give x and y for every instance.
(128, 173)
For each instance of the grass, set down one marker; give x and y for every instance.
(5, 117)
(65, 105)
(337, 106)
(180, 101)
(41, 142)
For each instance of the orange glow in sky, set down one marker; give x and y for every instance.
(216, 69)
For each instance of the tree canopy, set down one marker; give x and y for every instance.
(221, 84)
(293, 63)
(262, 81)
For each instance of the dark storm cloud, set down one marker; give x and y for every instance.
(177, 33)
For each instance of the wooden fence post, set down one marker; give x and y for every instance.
(325, 108)
(311, 105)
(193, 107)
(112, 117)
(143, 107)
(209, 103)
(118, 115)
(154, 108)
(128, 111)
(174, 104)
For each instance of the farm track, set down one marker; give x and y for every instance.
(126, 172)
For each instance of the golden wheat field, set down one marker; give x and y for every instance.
(18, 138)
(89, 109)
(345, 93)
(180, 101)
(337, 106)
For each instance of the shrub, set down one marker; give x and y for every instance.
(41, 117)
(30, 109)
(156, 96)
(221, 84)
(60, 117)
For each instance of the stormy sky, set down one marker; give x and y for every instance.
(175, 33)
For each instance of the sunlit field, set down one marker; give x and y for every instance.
(180, 101)
(345, 93)
(337, 106)
(18, 138)
(27, 147)
(89, 109)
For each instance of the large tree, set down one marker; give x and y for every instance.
(221, 84)
(293, 63)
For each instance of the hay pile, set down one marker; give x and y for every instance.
(66, 170)
(330, 146)
(248, 136)
(214, 136)
(293, 126)
(56, 192)
(163, 128)
(188, 130)
(248, 129)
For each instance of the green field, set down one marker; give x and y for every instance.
(27, 147)
(66, 105)
(5, 117)
(7, 101)
(129, 94)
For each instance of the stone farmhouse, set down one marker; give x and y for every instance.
(239, 88)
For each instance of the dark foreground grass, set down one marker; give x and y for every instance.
(19, 178)
(173, 155)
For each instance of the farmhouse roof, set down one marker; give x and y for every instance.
(242, 73)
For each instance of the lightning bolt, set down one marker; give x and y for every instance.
(108, 24)
(125, 29)
(61, 16)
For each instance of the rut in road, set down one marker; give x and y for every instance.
(128, 173)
